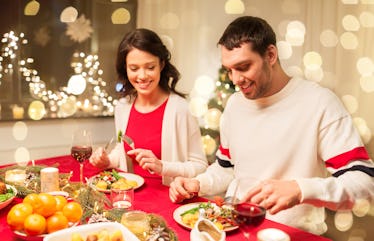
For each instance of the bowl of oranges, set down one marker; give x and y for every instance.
(41, 214)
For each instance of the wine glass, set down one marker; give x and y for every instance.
(81, 149)
(246, 215)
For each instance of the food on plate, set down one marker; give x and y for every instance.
(3, 188)
(43, 213)
(5, 193)
(107, 180)
(219, 215)
(102, 235)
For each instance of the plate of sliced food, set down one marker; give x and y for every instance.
(187, 215)
(106, 180)
(7, 194)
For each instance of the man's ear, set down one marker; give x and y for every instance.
(272, 54)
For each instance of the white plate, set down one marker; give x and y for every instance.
(86, 229)
(129, 176)
(7, 202)
(178, 211)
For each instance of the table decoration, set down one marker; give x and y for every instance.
(97, 208)
(32, 183)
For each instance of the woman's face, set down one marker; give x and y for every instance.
(143, 71)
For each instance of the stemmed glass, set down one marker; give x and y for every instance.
(246, 215)
(81, 149)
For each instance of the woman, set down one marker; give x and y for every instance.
(167, 137)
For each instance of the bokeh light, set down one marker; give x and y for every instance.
(69, 15)
(312, 60)
(32, 8)
(212, 118)
(76, 85)
(22, 156)
(367, 19)
(234, 7)
(167, 41)
(68, 107)
(294, 71)
(20, 131)
(349, 1)
(361, 207)
(363, 129)
(367, 83)
(209, 145)
(365, 66)
(36, 110)
(350, 23)
(121, 16)
(284, 49)
(343, 220)
(295, 33)
(349, 41)
(350, 103)
(198, 106)
(328, 38)
(314, 73)
(204, 85)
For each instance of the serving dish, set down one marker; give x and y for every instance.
(177, 215)
(86, 229)
(9, 200)
(128, 176)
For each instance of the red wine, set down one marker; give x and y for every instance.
(81, 153)
(248, 214)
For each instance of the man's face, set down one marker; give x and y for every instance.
(248, 70)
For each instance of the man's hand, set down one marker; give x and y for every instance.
(183, 188)
(275, 195)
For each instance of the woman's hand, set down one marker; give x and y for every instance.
(183, 188)
(147, 160)
(100, 159)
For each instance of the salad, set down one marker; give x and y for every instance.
(107, 180)
(220, 215)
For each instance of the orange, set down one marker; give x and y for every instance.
(56, 222)
(48, 206)
(73, 211)
(34, 200)
(60, 202)
(35, 224)
(17, 215)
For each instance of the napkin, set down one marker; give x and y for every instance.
(205, 230)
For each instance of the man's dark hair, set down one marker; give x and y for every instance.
(248, 29)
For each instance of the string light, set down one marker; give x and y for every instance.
(87, 66)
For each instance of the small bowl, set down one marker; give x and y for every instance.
(7, 202)
(272, 234)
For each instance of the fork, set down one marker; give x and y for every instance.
(131, 143)
(128, 141)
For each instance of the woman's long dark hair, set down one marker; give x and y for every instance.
(148, 41)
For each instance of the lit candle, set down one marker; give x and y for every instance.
(49, 179)
(16, 176)
(17, 112)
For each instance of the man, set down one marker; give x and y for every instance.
(292, 134)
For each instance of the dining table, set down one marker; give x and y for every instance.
(152, 197)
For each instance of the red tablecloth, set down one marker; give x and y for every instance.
(152, 197)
